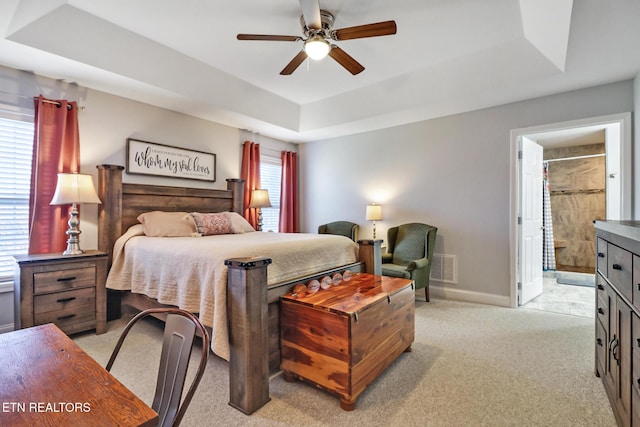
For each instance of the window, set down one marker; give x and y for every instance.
(270, 176)
(16, 145)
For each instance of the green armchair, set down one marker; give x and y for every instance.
(342, 228)
(410, 253)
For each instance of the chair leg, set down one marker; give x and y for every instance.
(426, 293)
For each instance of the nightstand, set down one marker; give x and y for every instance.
(68, 290)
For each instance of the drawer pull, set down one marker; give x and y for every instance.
(63, 300)
(600, 310)
(67, 317)
(66, 279)
(616, 267)
(600, 255)
(599, 341)
(613, 348)
(601, 288)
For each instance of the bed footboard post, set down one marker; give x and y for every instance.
(248, 333)
(370, 254)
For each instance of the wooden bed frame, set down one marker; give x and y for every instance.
(253, 308)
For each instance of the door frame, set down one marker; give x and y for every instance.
(624, 121)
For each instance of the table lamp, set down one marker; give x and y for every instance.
(74, 188)
(259, 200)
(374, 213)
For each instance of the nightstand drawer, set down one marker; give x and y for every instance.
(64, 300)
(68, 317)
(61, 280)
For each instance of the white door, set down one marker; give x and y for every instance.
(530, 245)
(614, 177)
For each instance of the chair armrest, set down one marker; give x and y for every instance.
(418, 263)
(387, 258)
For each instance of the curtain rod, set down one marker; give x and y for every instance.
(81, 108)
(576, 157)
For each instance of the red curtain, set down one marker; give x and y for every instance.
(251, 174)
(56, 148)
(289, 193)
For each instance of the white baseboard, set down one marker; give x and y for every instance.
(468, 296)
(6, 328)
(6, 287)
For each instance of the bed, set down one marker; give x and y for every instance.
(252, 298)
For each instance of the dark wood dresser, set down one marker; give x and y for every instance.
(617, 346)
(68, 290)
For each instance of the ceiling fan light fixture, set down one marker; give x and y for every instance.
(316, 47)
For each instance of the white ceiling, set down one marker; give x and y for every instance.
(448, 56)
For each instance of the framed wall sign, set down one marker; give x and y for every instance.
(149, 158)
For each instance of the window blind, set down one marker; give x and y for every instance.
(270, 176)
(16, 145)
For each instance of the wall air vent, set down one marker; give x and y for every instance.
(444, 268)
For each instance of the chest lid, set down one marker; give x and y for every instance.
(351, 296)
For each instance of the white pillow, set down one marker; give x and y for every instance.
(167, 224)
(239, 224)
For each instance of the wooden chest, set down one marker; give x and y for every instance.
(343, 337)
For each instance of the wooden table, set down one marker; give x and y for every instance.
(46, 379)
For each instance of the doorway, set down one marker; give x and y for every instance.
(617, 134)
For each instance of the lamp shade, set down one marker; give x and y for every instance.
(317, 47)
(260, 199)
(374, 212)
(74, 188)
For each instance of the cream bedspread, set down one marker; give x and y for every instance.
(189, 272)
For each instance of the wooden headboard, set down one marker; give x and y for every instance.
(122, 203)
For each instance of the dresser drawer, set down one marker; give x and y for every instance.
(620, 270)
(602, 304)
(635, 350)
(636, 281)
(64, 279)
(64, 300)
(601, 288)
(635, 407)
(601, 348)
(601, 253)
(602, 310)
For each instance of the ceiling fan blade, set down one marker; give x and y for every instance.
(268, 37)
(346, 60)
(311, 13)
(385, 28)
(295, 63)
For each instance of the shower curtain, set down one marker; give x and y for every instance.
(548, 249)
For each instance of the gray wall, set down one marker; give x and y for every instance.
(452, 172)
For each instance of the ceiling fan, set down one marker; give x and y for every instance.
(317, 29)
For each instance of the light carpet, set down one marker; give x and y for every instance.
(471, 365)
